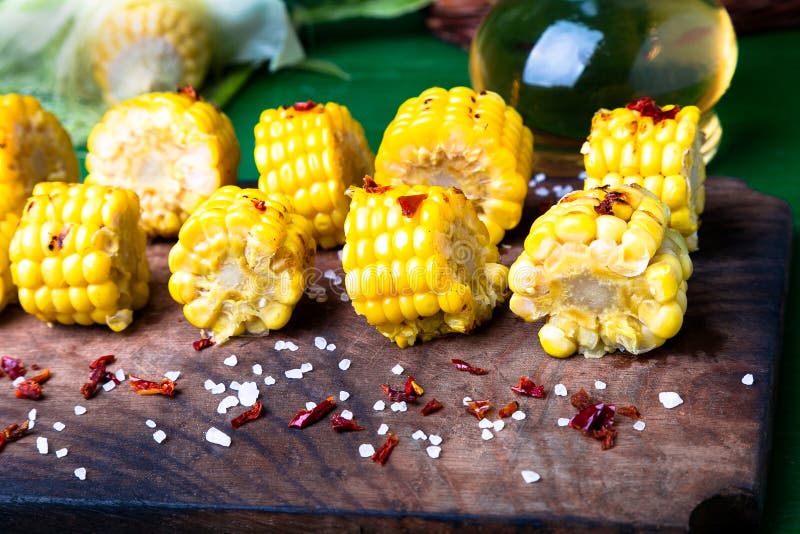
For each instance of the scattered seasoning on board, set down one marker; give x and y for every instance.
(525, 386)
(432, 406)
(340, 423)
(304, 418)
(371, 186)
(32, 387)
(461, 365)
(203, 343)
(13, 367)
(12, 433)
(478, 408)
(97, 375)
(382, 454)
(395, 394)
(412, 387)
(596, 418)
(508, 409)
(248, 415)
(147, 387)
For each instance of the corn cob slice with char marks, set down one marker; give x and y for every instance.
(607, 270)
(240, 263)
(172, 149)
(460, 138)
(312, 153)
(78, 255)
(8, 292)
(419, 263)
(656, 148)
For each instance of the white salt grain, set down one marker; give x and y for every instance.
(379, 406)
(280, 345)
(150, 423)
(31, 424)
(485, 423)
(419, 435)
(344, 297)
(669, 399)
(343, 395)
(435, 439)
(269, 380)
(530, 477)
(466, 401)
(17, 381)
(231, 360)
(433, 451)
(172, 375)
(563, 421)
(366, 450)
(209, 384)
(306, 367)
(583, 175)
(487, 434)
(399, 406)
(499, 425)
(541, 191)
(218, 388)
(248, 394)
(339, 254)
(120, 375)
(560, 390)
(60, 453)
(398, 369)
(347, 414)
(310, 405)
(331, 347)
(218, 437)
(329, 274)
(159, 436)
(41, 445)
(228, 402)
(383, 429)
(32, 415)
(80, 473)
(639, 425)
(320, 342)
(235, 385)
(599, 384)
(293, 373)
(58, 426)
(519, 415)
(79, 410)
(747, 379)
(344, 365)
(291, 346)
(257, 370)
(108, 386)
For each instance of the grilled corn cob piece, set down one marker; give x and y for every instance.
(78, 255)
(142, 46)
(312, 153)
(172, 149)
(240, 262)
(8, 292)
(34, 147)
(419, 263)
(462, 139)
(607, 270)
(656, 148)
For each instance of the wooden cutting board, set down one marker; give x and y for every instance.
(699, 465)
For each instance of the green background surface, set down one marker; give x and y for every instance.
(390, 61)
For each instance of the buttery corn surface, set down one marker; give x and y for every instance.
(143, 46)
(606, 269)
(240, 263)
(78, 255)
(8, 292)
(460, 138)
(420, 275)
(34, 147)
(172, 149)
(312, 153)
(663, 156)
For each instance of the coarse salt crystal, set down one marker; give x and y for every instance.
(435, 439)
(79, 410)
(519, 415)
(539, 177)
(331, 347)
(257, 370)
(747, 379)
(344, 365)
(108, 386)
(32, 415)
(293, 373)
(485, 423)
(291, 346)
(120, 375)
(209, 384)
(310, 405)
(499, 425)
(466, 401)
(31, 424)
(583, 175)
(379, 406)
(339, 254)
(366, 450)
(269, 380)
(280, 345)
(338, 280)
(235, 385)
(563, 421)
(347, 414)
(172, 375)
(599, 384)
(419, 434)
(228, 402)
(487, 434)
(669, 399)
(60, 453)
(17, 381)
(231, 360)
(639, 425)
(218, 437)
(41, 445)
(344, 297)
(58, 426)
(150, 423)
(344, 395)
(159, 436)
(399, 406)
(433, 451)
(306, 367)
(383, 429)
(248, 394)
(329, 274)
(560, 390)
(541, 191)
(398, 369)
(530, 477)
(320, 342)
(80, 473)
(218, 388)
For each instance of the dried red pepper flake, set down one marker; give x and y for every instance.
(412, 387)
(35, 367)
(371, 186)
(581, 399)
(341, 424)
(304, 418)
(260, 205)
(396, 394)
(189, 91)
(409, 204)
(102, 361)
(248, 415)
(28, 389)
(203, 343)
(97, 375)
(629, 411)
(382, 454)
(606, 435)
(606, 205)
(147, 387)
(508, 409)
(647, 107)
(308, 105)
(525, 386)
(12, 433)
(478, 408)
(13, 367)
(432, 406)
(461, 365)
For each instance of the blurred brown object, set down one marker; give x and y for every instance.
(456, 21)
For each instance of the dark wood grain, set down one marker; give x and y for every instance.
(700, 464)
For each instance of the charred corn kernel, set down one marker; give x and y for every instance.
(418, 262)
(143, 46)
(312, 153)
(172, 149)
(656, 148)
(463, 139)
(34, 147)
(240, 262)
(77, 271)
(624, 288)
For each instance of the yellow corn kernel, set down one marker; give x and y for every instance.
(312, 153)
(430, 269)
(624, 289)
(103, 279)
(460, 138)
(172, 149)
(240, 263)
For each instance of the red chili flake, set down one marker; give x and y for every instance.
(596, 421)
(102, 361)
(508, 409)
(382, 454)
(395, 394)
(304, 418)
(525, 386)
(189, 91)
(647, 107)
(97, 375)
(606, 205)
(371, 186)
(461, 365)
(12, 432)
(308, 105)
(340, 424)
(260, 205)
(12, 366)
(57, 241)
(35, 367)
(433, 406)
(409, 204)
(28, 389)
(478, 408)
(146, 387)
(581, 400)
(629, 411)
(203, 343)
(248, 415)
(412, 387)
